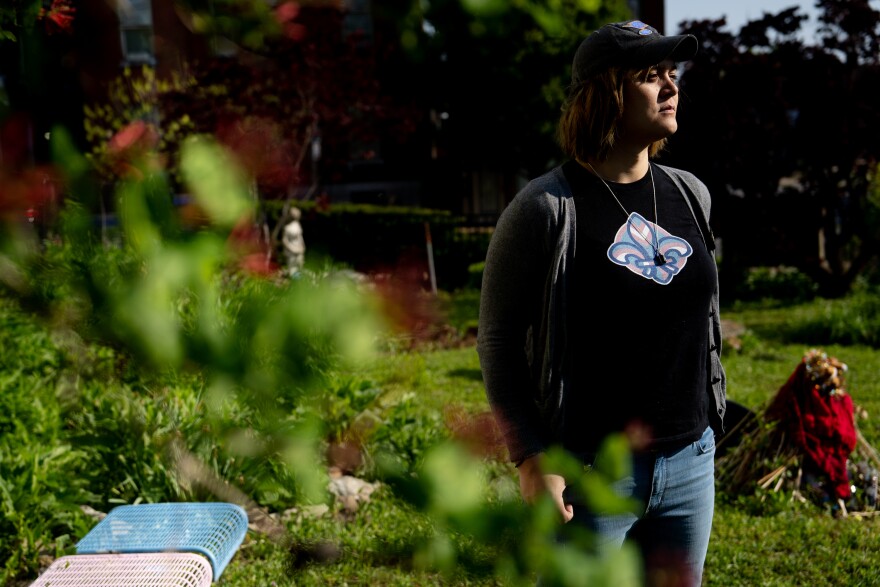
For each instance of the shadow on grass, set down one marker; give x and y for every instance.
(470, 374)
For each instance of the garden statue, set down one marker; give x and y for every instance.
(294, 244)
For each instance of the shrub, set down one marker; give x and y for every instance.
(475, 274)
(780, 283)
(852, 320)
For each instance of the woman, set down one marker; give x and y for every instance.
(599, 306)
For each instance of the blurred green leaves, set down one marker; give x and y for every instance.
(451, 488)
(485, 7)
(180, 297)
(215, 180)
(454, 483)
(552, 16)
(247, 22)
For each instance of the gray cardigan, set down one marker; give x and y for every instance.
(522, 328)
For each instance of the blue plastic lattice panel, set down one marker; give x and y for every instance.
(214, 530)
(160, 569)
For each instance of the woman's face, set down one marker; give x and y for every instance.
(649, 105)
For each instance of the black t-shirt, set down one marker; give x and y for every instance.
(637, 330)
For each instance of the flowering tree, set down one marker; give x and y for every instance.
(305, 102)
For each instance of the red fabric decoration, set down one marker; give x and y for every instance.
(819, 422)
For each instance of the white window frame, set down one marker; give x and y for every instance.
(136, 16)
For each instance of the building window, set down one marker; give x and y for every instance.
(136, 30)
(358, 19)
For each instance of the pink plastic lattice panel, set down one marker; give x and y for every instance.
(161, 569)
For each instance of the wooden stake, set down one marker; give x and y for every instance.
(765, 481)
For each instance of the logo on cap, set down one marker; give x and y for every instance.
(641, 28)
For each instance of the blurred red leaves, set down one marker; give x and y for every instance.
(25, 189)
(138, 137)
(132, 150)
(260, 146)
(412, 311)
(286, 13)
(478, 432)
(23, 194)
(58, 18)
(249, 250)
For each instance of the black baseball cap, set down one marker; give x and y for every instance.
(630, 44)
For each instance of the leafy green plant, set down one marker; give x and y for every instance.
(778, 284)
(343, 406)
(39, 497)
(39, 503)
(406, 434)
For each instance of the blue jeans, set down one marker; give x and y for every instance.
(677, 490)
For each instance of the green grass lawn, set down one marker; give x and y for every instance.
(788, 543)
(774, 542)
(785, 543)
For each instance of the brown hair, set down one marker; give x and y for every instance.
(591, 115)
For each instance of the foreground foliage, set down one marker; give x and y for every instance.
(178, 364)
(103, 449)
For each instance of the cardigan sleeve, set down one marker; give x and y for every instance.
(510, 298)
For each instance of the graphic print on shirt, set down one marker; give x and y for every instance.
(633, 248)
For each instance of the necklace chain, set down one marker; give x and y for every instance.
(659, 259)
